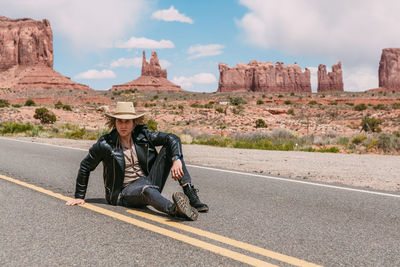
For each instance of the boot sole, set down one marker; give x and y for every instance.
(183, 205)
(202, 209)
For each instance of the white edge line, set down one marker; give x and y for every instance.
(297, 181)
(239, 172)
(45, 144)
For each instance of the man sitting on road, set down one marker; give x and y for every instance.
(134, 173)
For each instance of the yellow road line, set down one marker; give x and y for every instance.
(225, 240)
(192, 241)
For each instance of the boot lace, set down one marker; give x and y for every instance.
(193, 193)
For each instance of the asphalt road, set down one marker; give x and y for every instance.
(314, 223)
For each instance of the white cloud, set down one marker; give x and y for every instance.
(135, 62)
(201, 78)
(86, 24)
(164, 63)
(127, 62)
(95, 74)
(314, 78)
(352, 31)
(171, 14)
(143, 42)
(205, 50)
(360, 79)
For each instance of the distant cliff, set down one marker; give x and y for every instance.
(389, 69)
(263, 77)
(330, 81)
(25, 42)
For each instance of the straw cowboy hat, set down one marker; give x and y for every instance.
(125, 111)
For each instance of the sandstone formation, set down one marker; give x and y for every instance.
(153, 78)
(389, 69)
(263, 77)
(26, 57)
(25, 42)
(330, 81)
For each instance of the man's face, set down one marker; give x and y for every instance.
(124, 127)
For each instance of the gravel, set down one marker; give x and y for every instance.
(379, 172)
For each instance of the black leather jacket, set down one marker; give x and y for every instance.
(106, 150)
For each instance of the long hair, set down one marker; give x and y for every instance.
(110, 122)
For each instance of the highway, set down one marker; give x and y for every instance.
(253, 219)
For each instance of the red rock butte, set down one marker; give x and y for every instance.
(389, 69)
(330, 81)
(26, 62)
(153, 78)
(263, 77)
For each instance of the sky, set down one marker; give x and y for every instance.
(100, 42)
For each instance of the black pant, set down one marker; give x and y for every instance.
(147, 189)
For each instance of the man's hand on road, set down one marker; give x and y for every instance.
(76, 201)
(176, 170)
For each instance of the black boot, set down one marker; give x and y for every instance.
(195, 202)
(181, 207)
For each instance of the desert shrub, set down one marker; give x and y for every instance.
(332, 149)
(388, 142)
(80, 133)
(237, 101)
(152, 125)
(360, 107)
(214, 141)
(380, 106)
(290, 111)
(116, 93)
(350, 104)
(67, 107)
(280, 96)
(312, 102)
(371, 143)
(4, 103)
(58, 105)
(287, 102)
(260, 102)
(196, 105)
(396, 105)
(291, 94)
(260, 123)
(101, 132)
(44, 115)
(181, 107)
(155, 97)
(333, 103)
(219, 109)
(14, 127)
(209, 105)
(358, 139)
(369, 124)
(146, 105)
(29, 103)
(237, 110)
(343, 140)
(16, 105)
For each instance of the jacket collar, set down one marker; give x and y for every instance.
(114, 135)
